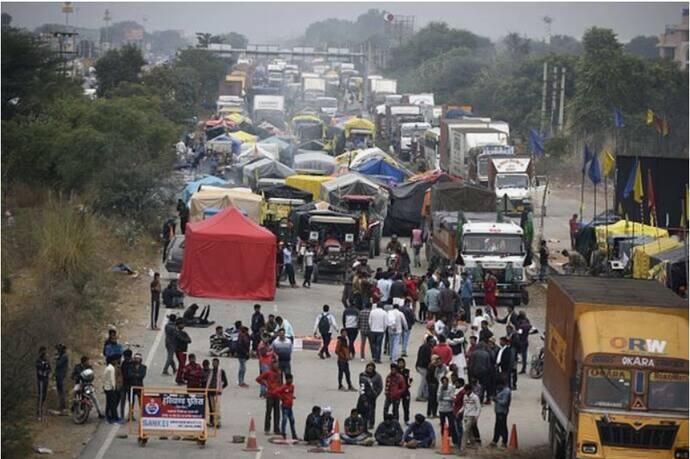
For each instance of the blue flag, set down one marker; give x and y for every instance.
(536, 142)
(630, 184)
(594, 172)
(618, 118)
(588, 158)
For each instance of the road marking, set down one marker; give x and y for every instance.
(113, 431)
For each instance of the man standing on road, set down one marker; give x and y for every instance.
(136, 373)
(370, 387)
(397, 325)
(481, 366)
(61, 368)
(501, 409)
(395, 388)
(266, 359)
(272, 380)
(325, 322)
(524, 327)
(378, 319)
(282, 347)
(466, 296)
(416, 242)
(167, 235)
(170, 344)
(217, 381)
(351, 326)
(257, 323)
(543, 261)
(421, 365)
(182, 341)
(193, 374)
(364, 332)
(470, 411)
(242, 355)
(408, 312)
(155, 300)
(289, 331)
(289, 267)
(384, 285)
(432, 300)
(347, 288)
(308, 266)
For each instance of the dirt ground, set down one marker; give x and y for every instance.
(130, 316)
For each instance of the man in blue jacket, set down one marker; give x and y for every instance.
(419, 434)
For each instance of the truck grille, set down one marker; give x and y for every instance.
(648, 437)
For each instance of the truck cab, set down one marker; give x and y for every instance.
(407, 133)
(615, 369)
(512, 179)
(495, 247)
(327, 105)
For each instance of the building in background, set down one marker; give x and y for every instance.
(673, 43)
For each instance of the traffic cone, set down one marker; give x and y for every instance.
(445, 441)
(336, 447)
(513, 442)
(251, 439)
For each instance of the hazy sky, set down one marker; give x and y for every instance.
(267, 22)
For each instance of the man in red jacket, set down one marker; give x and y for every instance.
(287, 397)
(443, 350)
(272, 379)
(192, 373)
(395, 389)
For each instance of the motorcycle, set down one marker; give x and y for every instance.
(536, 365)
(84, 397)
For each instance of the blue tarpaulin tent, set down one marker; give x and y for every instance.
(193, 187)
(378, 166)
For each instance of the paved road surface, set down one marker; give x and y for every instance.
(315, 381)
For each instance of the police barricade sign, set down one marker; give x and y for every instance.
(168, 411)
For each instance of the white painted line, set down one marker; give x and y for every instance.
(113, 431)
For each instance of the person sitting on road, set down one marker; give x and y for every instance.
(312, 427)
(355, 432)
(393, 245)
(220, 344)
(173, 297)
(327, 423)
(389, 432)
(576, 263)
(419, 434)
(191, 319)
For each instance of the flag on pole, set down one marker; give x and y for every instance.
(588, 158)
(650, 117)
(536, 142)
(634, 183)
(593, 171)
(651, 201)
(608, 163)
(618, 118)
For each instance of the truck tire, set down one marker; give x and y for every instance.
(556, 440)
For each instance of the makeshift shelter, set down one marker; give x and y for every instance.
(310, 183)
(627, 229)
(285, 149)
(458, 195)
(244, 137)
(669, 267)
(241, 198)
(356, 184)
(264, 168)
(642, 255)
(405, 208)
(379, 167)
(314, 163)
(287, 192)
(193, 187)
(224, 143)
(229, 256)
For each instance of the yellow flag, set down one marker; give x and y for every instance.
(608, 163)
(638, 191)
(650, 117)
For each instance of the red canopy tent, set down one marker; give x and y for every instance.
(229, 256)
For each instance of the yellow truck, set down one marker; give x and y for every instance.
(615, 369)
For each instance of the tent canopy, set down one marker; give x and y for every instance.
(627, 228)
(454, 196)
(407, 199)
(221, 198)
(378, 166)
(193, 187)
(264, 168)
(287, 192)
(354, 183)
(243, 136)
(229, 256)
(315, 161)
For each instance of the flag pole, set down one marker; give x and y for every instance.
(582, 193)
(606, 219)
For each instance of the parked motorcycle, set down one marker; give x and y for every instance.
(84, 397)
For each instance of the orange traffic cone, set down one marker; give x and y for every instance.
(336, 447)
(513, 442)
(445, 441)
(251, 439)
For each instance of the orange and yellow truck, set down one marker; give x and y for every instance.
(615, 369)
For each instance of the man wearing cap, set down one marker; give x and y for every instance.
(419, 434)
(136, 372)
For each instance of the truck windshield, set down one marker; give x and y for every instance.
(327, 103)
(668, 391)
(511, 181)
(499, 244)
(483, 167)
(608, 388)
(410, 131)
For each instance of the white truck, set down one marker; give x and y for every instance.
(269, 108)
(313, 87)
(382, 87)
(516, 186)
(409, 132)
(459, 136)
